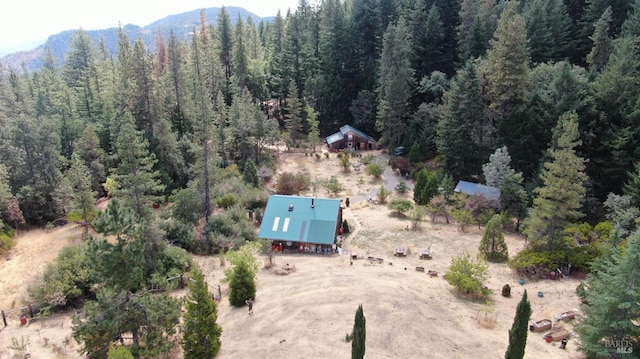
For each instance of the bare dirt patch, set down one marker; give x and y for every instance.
(307, 312)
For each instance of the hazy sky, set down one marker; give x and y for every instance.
(30, 21)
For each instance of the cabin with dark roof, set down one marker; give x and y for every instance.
(350, 138)
(297, 224)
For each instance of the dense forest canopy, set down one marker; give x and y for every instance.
(454, 79)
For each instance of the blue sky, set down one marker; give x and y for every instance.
(26, 23)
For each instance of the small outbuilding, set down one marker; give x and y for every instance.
(350, 138)
(476, 189)
(297, 224)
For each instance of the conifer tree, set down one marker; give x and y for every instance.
(602, 43)
(250, 173)
(513, 197)
(507, 63)
(358, 335)
(138, 181)
(612, 304)
(84, 198)
(519, 329)
(631, 25)
(498, 167)
(200, 332)
(462, 116)
(632, 187)
(241, 277)
(559, 199)
(395, 84)
(294, 116)
(226, 50)
(492, 246)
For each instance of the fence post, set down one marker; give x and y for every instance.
(4, 319)
(181, 282)
(30, 311)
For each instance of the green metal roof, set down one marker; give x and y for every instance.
(300, 219)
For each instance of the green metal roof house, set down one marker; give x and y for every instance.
(295, 222)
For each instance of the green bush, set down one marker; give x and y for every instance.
(402, 187)
(400, 205)
(187, 205)
(345, 227)
(333, 185)
(241, 276)
(66, 281)
(253, 198)
(532, 263)
(6, 242)
(468, 275)
(228, 200)
(375, 169)
(180, 234)
(229, 229)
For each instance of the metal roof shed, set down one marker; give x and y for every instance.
(476, 189)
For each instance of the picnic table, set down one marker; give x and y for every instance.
(425, 253)
(400, 251)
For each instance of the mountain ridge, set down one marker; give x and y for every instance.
(182, 25)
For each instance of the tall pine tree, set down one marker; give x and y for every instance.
(358, 335)
(492, 246)
(612, 304)
(200, 332)
(519, 329)
(395, 84)
(137, 180)
(559, 199)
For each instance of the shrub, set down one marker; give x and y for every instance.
(375, 169)
(180, 234)
(506, 291)
(345, 162)
(369, 158)
(400, 205)
(345, 227)
(333, 185)
(530, 263)
(187, 205)
(6, 243)
(67, 280)
(176, 261)
(228, 200)
(383, 194)
(292, 184)
(468, 275)
(253, 198)
(77, 216)
(402, 187)
(463, 217)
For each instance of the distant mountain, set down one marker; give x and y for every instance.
(181, 24)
